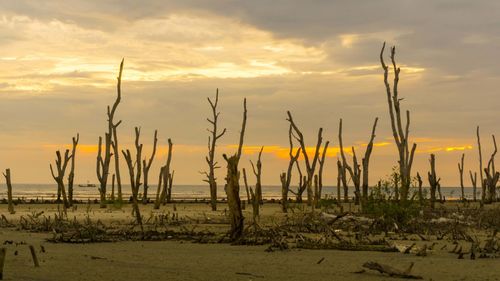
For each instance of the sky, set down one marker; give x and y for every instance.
(319, 59)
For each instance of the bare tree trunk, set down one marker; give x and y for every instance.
(433, 180)
(492, 176)
(286, 178)
(61, 165)
(401, 135)
(146, 166)
(481, 177)
(104, 157)
(461, 171)
(310, 165)
(212, 143)
(321, 161)
(302, 184)
(9, 191)
(258, 175)
(245, 181)
(366, 160)
(71, 176)
(166, 178)
(345, 166)
(135, 175)
(420, 193)
(116, 153)
(473, 179)
(169, 188)
(339, 179)
(233, 186)
(113, 187)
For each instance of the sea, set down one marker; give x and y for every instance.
(181, 192)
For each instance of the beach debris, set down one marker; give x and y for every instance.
(391, 271)
(321, 260)
(33, 255)
(249, 274)
(3, 251)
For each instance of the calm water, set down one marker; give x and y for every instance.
(49, 191)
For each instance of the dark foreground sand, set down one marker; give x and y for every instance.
(176, 260)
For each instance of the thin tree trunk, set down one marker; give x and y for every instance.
(9, 191)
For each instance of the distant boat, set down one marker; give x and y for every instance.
(87, 185)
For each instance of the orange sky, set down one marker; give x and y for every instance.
(59, 61)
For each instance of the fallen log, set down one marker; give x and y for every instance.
(391, 271)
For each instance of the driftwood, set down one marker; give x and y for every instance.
(400, 133)
(245, 181)
(110, 141)
(71, 176)
(233, 186)
(212, 143)
(33, 256)
(310, 165)
(391, 271)
(146, 166)
(9, 191)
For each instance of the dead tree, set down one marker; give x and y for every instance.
(212, 143)
(310, 165)
(366, 160)
(146, 166)
(358, 176)
(420, 193)
(71, 176)
(433, 180)
(116, 153)
(492, 175)
(400, 133)
(61, 165)
(473, 179)
(461, 171)
(113, 179)
(319, 185)
(9, 191)
(233, 186)
(354, 171)
(135, 169)
(257, 171)
(286, 178)
(166, 178)
(339, 179)
(302, 186)
(104, 157)
(245, 181)
(481, 177)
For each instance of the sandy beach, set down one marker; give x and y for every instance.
(174, 259)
